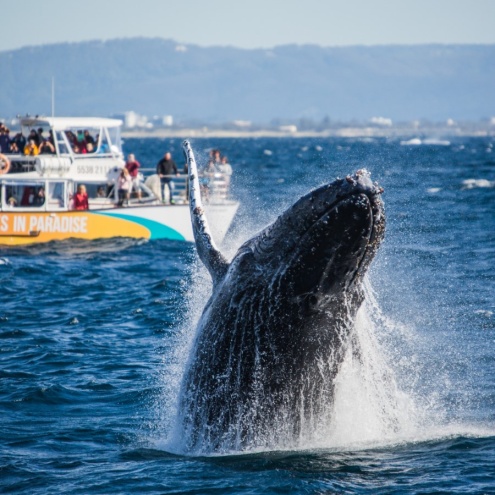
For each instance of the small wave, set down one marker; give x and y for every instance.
(477, 183)
(411, 142)
(427, 142)
(484, 312)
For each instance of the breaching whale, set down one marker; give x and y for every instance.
(276, 328)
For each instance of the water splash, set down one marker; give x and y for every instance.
(369, 407)
(380, 393)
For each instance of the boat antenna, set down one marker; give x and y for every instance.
(53, 96)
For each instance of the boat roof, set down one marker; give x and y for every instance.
(66, 123)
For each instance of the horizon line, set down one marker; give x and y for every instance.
(231, 46)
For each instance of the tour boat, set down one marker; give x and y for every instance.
(37, 191)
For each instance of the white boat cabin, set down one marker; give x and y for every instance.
(82, 150)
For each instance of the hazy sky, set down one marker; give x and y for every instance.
(251, 23)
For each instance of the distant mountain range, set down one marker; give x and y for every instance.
(220, 84)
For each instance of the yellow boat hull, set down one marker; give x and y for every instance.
(145, 222)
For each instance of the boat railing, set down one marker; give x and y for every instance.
(22, 164)
(214, 187)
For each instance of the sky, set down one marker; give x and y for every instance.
(250, 23)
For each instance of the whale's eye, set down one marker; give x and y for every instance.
(313, 300)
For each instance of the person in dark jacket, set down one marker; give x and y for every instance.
(166, 168)
(4, 139)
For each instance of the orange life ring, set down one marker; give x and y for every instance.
(4, 164)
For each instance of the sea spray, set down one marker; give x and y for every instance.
(194, 293)
(369, 406)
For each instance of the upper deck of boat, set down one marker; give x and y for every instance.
(84, 150)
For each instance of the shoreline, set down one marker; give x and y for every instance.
(344, 132)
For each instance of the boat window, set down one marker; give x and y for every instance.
(63, 148)
(26, 195)
(77, 141)
(56, 196)
(115, 141)
(103, 143)
(102, 190)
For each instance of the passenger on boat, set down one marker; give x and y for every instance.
(89, 138)
(225, 167)
(81, 198)
(20, 141)
(46, 148)
(27, 196)
(31, 148)
(100, 192)
(81, 142)
(71, 137)
(34, 136)
(124, 185)
(132, 165)
(13, 147)
(217, 158)
(205, 179)
(41, 138)
(39, 199)
(226, 170)
(165, 168)
(103, 148)
(4, 139)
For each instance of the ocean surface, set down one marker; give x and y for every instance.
(94, 339)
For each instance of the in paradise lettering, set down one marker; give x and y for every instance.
(51, 223)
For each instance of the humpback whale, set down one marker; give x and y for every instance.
(276, 328)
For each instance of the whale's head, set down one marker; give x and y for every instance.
(319, 249)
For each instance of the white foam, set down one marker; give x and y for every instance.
(477, 183)
(411, 142)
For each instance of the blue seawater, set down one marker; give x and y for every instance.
(94, 339)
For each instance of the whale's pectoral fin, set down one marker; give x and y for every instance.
(212, 258)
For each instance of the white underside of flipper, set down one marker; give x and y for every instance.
(208, 252)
